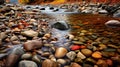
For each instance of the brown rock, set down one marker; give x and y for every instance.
(75, 65)
(97, 55)
(33, 44)
(49, 63)
(60, 52)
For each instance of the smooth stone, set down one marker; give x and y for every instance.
(46, 54)
(81, 55)
(49, 63)
(36, 59)
(26, 56)
(48, 45)
(97, 55)
(48, 35)
(60, 52)
(33, 44)
(113, 23)
(61, 61)
(102, 12)
(91, 60)
(61, 25)
(30, 33)
(26, 63)
(102, 63)
(2, 36)
(73, 64)
(78, 42)
(71, 55)
(78, 60)
(13, 38)
(86, 52)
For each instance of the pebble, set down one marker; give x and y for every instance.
(49, 63)
(27, 63)
(75, 47)
(60, 52)
(71, 55)
(33, 44)
(75, 65)
(81, 55)
(62, 61)
(86, 52)
(30, 33)
(26, 56)
(97, 55)
(36, 59)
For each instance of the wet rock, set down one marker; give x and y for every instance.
(80, 55)
(13, 38)
(36, 59)
(86, 52)
(26, 63)
(49, 63)
(71, 55)
(75, 47)
(2, 36)
(97, 55)
(113, 23)
(26, 56)
(33, 44)
(102, 63)
(14, 56)
(62, 25)
(62, 61)
(78, 42)
(78, 60)
(30, 33)
(3, 55)
(60, 52)
(91, 60)
(46, 54)
(75, 65)
(102, 12)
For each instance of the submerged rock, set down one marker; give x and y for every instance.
(62, 25)
(113, 23)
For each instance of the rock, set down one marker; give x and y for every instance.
(78, 42)
(62, 25)
(91, 60)
(97, 55)
(113, 23)
(13, 38)
(36, 59)
(75, 65)
(46, 54)
(86, 52)
(14, 56)
(60, 52)
(80, 55)
(30, 33)
(102, 12)
(48, 45)
(33, 44)
(26, 56)
(49, 63)
(48, 35)
(75, 47)
(26, 63)
(62, 61)
(2, 36)
(78, 60)
(102, 63)
(71, 55)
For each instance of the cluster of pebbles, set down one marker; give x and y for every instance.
(26, 41)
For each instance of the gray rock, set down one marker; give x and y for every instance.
(61, 25)
(71, 55)
(26, 56)
(113, 23)
(26, 63)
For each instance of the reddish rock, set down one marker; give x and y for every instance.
(75, 47)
